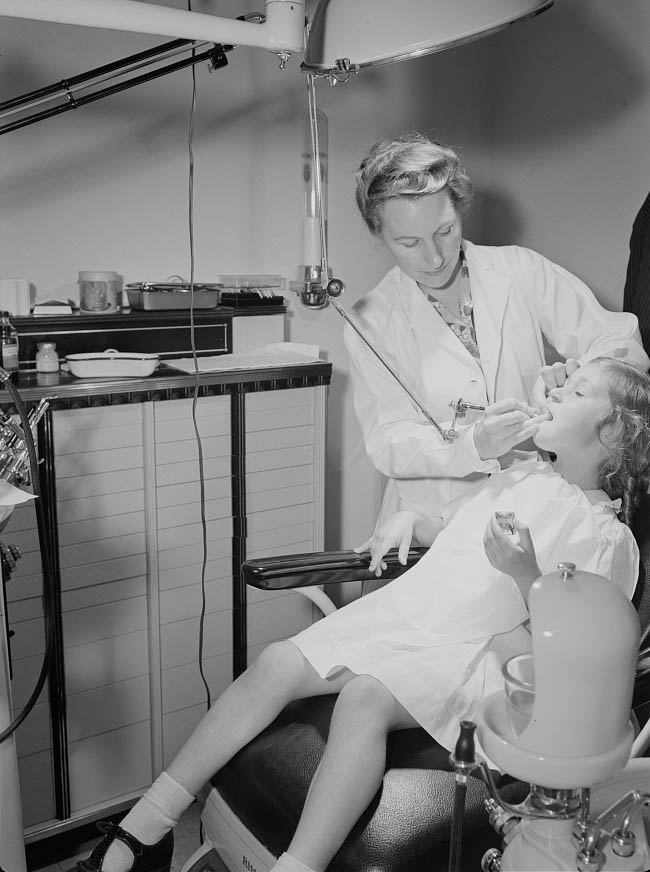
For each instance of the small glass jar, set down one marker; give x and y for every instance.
(47, 360)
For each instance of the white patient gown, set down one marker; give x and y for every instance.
(437, 636)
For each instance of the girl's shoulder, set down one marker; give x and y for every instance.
(605, 511)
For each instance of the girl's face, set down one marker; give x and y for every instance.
(423, 233)
(575, 410)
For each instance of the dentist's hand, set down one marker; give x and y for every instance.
(551, 377)
(396, 532)
(504, 424)
(512, 554)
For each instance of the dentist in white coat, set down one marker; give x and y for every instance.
(457, 320)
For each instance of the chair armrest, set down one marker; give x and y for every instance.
(321, 567)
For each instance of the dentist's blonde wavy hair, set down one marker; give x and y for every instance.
(411, 165)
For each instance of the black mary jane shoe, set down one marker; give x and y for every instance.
(148, 858)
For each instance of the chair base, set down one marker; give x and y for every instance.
(228, 840)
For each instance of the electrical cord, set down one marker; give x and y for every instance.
(46, 560)
(197, 383)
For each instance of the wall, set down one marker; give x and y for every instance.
(569, 139)
(551, 117)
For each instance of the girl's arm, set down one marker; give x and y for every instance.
(512, 554)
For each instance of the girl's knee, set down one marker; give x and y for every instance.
(279, 661)
(368, 698)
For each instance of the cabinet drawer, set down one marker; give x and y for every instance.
(190, 513)
(188, 471)
(191, 574)
(182, 686)
(120, 763)
(38, 805)
(104, 621)
(179, 639)
(185, 602)
(106, 661)
(173, 452)
(110, 707)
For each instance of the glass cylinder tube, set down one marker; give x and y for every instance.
(312, 232)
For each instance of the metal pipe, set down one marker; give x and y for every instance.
(215, 55)
(283, 30)
(41, 95)
(390, 369)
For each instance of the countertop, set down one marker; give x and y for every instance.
(165, 382)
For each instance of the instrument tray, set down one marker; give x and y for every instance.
(147, 296)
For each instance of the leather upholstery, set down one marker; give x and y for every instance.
(406, 828)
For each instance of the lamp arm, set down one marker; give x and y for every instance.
(281, 32)
(75, 92)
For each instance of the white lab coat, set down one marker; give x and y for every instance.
(520, 299)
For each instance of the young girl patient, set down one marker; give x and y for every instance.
(427, 648)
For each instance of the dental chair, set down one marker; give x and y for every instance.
(251, 807)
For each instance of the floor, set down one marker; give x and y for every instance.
(186, 841)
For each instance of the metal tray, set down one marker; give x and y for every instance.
(155, 297)
(112, 364)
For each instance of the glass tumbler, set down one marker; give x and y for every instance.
(519, 677)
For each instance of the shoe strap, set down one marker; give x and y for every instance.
(111, 832)
(116, 832)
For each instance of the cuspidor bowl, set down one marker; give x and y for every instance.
(112, 364)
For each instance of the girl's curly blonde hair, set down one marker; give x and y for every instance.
(625, 432)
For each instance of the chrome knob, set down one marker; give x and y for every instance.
(623, 843)
(567, 570)
(491, 860)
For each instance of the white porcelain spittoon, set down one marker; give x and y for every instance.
(573, 730)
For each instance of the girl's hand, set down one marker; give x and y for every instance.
(396, 532)
(552, 377)
(514, 555)
(504, 424)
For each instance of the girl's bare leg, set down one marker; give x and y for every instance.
(351, 770)
(279, 675)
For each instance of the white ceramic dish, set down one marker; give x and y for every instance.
(112, 364)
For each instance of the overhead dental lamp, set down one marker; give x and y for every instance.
(348, 35)
(345, 33)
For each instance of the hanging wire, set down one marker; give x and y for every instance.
(197, 384)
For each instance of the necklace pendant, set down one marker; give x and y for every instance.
(464, 269)
(466, 308)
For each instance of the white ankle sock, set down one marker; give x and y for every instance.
(287, 863)
(149, 820)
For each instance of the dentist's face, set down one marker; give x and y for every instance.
(575, 410)
(423, 233)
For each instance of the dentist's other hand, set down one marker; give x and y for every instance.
(551, 377)
(504, 424)
(397, 532)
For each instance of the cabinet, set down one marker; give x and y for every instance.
(150, 532)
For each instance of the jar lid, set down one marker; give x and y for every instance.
(95, 275)
(47, 345)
